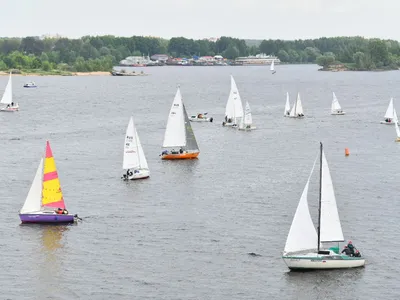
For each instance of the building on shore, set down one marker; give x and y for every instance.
(257, 60)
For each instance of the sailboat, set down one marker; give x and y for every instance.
(8, 98)
(179, 136)
(336, 109)
(303, 249)
(397, 131)
(247, 121)
(287, 106)
(272, 68)
(234, 107)
(390, 115)
(45, 202)
(134, 162)
(297, 109)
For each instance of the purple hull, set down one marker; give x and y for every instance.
(46, 218)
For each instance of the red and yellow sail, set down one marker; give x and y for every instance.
(51, 191)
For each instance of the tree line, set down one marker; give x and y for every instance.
(101, 53)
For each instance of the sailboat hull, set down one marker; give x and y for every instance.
(170, 156)
(191, 119)
(387, 123)
(320, 262)
(247, 129)
(296, 117)
(43, 218)
(338, 113)
(142, 174)
(10, 109)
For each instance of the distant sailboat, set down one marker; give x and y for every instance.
(134, 161)
(297, 109)
(287, 106)
(8, 98)
(179, 136)
(45, 201)
(234, 107)
(390, 115)
(247, 121)
(272, 68)
(303, 248)
(397, 131)
(336, 109)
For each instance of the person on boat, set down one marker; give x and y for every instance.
(288, 113)
(65, 212)
(357, 254)
(181, 151)
(12, 104)
(226, 118)
(59, 211)
(351, 247)
(8, 105)
(136, 171)
(346, 251)
(229, 120)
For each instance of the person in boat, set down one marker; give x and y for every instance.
(12, 104)
(229, 120)
(248, 126)
(165, 152)
(346, 250)
(351, 247)
(181, 151)
(128, 173)
(226, 118)
(357, 254)
(8, 105)
(59, 211)
(288, 113)
(65, 212)
(136, 171)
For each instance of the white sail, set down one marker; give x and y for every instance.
(230, 104)
(33, 201)
(248, 119)
(7, 96)
(175, 135)
(397, 129)
(335, 104)
(272, 68)
(238, 107)
(390, 110)
(287, 105)
(331, 229)
(142, 158)
(297, 107)
(302, 234)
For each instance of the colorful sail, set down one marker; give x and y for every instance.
(51, 191)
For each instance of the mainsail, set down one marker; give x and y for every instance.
(7, 96)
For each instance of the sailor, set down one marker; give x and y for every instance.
(8, 105)
(65, 212)
(346, 250)
(181, 151)
(351, 247)
(136, 171)
(12, 104)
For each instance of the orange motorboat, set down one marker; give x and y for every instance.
(177, 155)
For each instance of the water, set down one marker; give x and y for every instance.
(185, 233)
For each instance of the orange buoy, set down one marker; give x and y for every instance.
(346, 151)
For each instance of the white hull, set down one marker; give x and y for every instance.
(295, 117)
(140, 175)
(322, 263)
(10, 109)
(247, 129)
(338, 113)
(229, 125)
(200, 120)
(387, 123)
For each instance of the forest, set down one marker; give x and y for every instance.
(101, 53)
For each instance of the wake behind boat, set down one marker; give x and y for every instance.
(134, 161)
(179, 140)
(336, 109)
(8, 98)
(303, 249)
(234, 107)
(45, 201)
(390, 115)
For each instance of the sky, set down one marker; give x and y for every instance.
(247, 19)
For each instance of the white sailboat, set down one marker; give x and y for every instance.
(179, 140)
(390, 115)
(336, 109)
(297, 109)
(134, 161)
(303, 245)
(397, 131)
(234, 107)
(287, 106)
(7, 98)
(247, 121)
(272, 68)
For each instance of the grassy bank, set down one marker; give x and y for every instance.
(38, 72)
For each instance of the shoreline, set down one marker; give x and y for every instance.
(99, 73)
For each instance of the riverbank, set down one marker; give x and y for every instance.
(56, 73)
(352, 67)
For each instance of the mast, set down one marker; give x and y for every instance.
(320, 195)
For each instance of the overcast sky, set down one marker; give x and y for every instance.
(250, 19)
